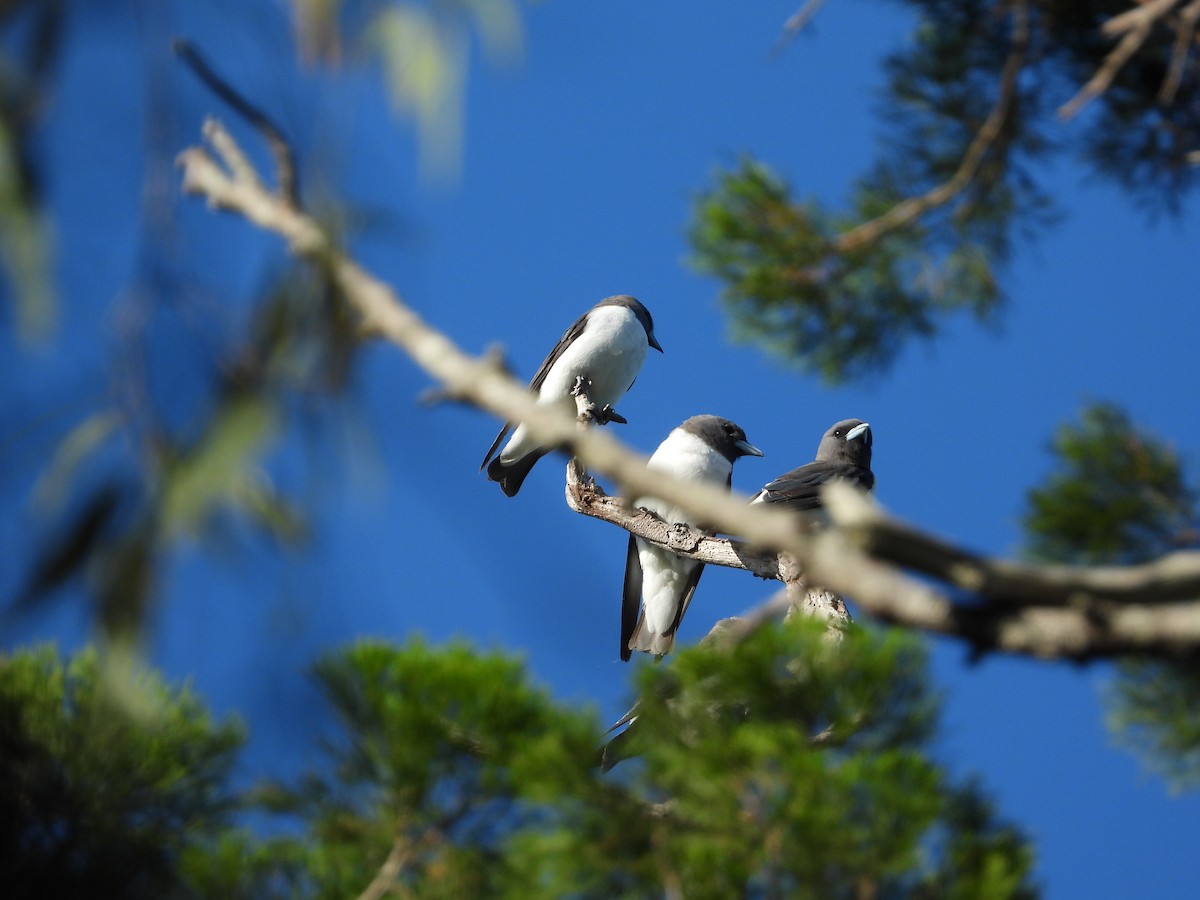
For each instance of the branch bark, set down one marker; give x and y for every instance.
(992, 604)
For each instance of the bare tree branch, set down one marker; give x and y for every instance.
(1085, 627)
(389, 871)
(589, 499)
(1135, 24)
(1054, 611)
(285, 163)
(585, 497)
(1173, 578)
(1185, 30)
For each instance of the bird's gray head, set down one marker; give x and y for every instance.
(635, 307)
(726, 437)
(847, 441)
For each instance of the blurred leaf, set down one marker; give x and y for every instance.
(218, 467)
(271, 510)
(425, 64)
(499, 26)
(454, 775)
(74, 547)
(733, 794)
(318, 29)
(24, 245)
(81, 441)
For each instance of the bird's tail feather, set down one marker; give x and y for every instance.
(648, 642)
(511, 475)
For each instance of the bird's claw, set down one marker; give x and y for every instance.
(608, 414)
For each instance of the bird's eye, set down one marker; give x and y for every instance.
(729, 429)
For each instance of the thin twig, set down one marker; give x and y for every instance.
(281, 149)
(1136, 25)
(797, 22)
(1184, 31)
(1144, 12)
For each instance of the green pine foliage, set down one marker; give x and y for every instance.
(842, 312)
(95, 802)
(1117, 496)
(785, 765)
(795, 284)
(1153, 709)
(1120, 495)
(830, 315)
(445, 755)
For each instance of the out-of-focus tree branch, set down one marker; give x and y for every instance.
(1135, 25)
(908, 211)
(1076, 613)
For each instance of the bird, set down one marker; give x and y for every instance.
(606, 347)
(844, 454)
(658, 582)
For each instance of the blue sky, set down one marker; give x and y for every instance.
(580, 165)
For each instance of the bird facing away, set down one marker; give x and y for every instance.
(657, 581)
(607, 346)
(844, 454)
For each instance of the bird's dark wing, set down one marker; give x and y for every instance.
(631, 597)
(689, 591)
(801, 488)
(496, 443)
(539, 377)
(564, 342)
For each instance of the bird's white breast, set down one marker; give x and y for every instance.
(687, 457)
(610, 352)
(665, 575)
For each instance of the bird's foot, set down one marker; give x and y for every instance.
(586, 409)
(607, 414)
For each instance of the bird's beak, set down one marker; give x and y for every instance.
(858, 431)
(748, 449)
(653, 342)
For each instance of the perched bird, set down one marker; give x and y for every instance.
(844, 454)
(657, 581)
(607, 346)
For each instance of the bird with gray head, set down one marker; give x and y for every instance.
(606, 347)
(658, 582)
(844, 454)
